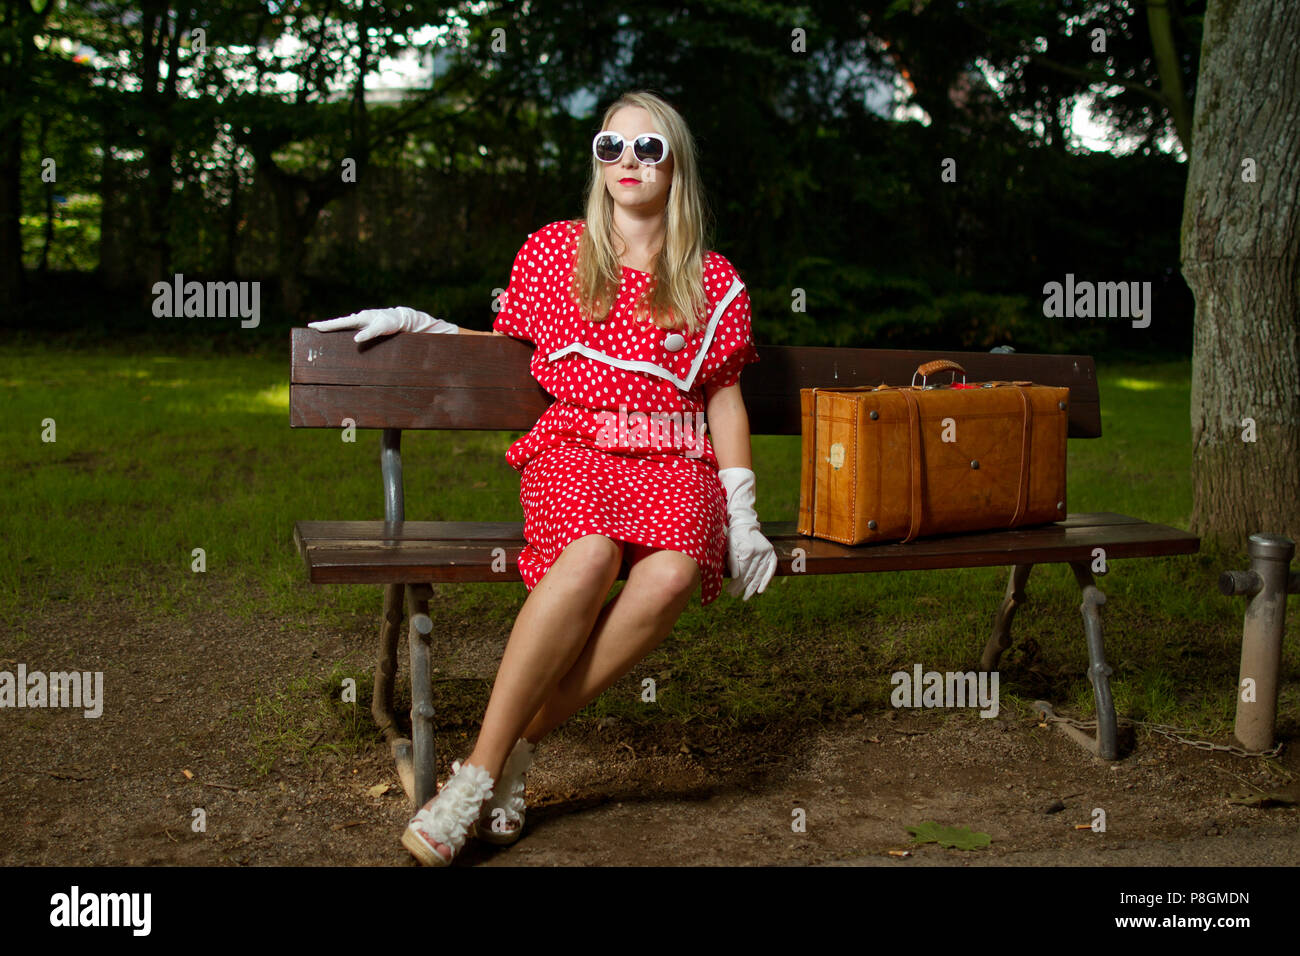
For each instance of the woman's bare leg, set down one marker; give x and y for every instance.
(549, 633)
(629, 627)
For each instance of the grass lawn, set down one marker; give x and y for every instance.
(161, 454)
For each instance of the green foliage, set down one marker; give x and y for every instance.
(852, 306)
(952, 838)
(74, 245)
(815, 182)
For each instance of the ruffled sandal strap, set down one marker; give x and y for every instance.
(457, 806)
(510, 795)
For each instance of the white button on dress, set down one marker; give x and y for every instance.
(675, 342)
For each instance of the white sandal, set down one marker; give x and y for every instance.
(449, 817)
(509, 799)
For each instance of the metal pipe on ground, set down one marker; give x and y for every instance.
(1267, 584)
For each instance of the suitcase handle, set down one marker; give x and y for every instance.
(926, 369)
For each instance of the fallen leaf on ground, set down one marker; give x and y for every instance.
(188, 775)
(379, 789)
(959, 838)
(1274, 799)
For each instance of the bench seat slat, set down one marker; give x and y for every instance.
(414, 530)
(379, 531)
(373, 552)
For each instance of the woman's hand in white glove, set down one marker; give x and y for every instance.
(376, 322)
(751, 559)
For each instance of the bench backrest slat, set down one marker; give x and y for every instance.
(423, 381)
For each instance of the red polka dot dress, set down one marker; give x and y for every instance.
(624, 450)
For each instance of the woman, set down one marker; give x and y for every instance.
(641, 336)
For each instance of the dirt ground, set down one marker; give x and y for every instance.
(113, 790)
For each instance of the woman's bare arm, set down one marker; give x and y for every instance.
(728, 423)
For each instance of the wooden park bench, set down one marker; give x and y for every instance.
(415, 381)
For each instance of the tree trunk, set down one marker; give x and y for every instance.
(1241, 259)
(11, 236)
(297, 207)
(1160, 26)
(234, 212)
(21, 24)
(115, 265)
(160, 41)
(155, 250)
(43, 267)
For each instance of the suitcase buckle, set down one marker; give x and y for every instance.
(925, 387)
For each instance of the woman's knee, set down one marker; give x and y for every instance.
(593, 559)
(667, 575)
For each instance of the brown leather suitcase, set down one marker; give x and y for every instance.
(890, 463)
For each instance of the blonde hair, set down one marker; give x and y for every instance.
(676, 297)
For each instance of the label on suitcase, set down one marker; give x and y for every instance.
(890, 463)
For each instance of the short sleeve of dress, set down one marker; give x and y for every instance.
(732, 347)
(517, 303)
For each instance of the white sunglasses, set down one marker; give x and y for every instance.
(648, 148)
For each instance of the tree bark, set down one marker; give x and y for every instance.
(298, 203)
(115, 266)
(11, 236)
(1241, 259)
(43, 267)
(296, 212)
(299, 198)
(234, 215)
(160, 40)
(21, 23)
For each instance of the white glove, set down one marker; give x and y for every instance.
(376, 322)
(751, 559)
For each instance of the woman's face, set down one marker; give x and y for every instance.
(633, 184)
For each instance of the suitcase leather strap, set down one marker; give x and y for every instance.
(1022, 499)
(914, 475)
(816, 465)
(914, 463)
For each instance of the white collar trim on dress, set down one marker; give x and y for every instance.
(650, 367)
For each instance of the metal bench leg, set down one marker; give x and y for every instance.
(1014, 598)
(1098, 670)
(381, 703)
(422, 744)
